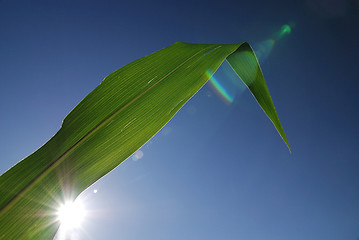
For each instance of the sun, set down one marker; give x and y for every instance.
(71, 214)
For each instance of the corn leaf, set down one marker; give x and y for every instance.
(111, 123)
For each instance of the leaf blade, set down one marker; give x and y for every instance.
(103, 130)
(244, 62)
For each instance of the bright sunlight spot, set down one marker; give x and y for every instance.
(71, 214)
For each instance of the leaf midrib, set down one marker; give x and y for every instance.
(55, 163)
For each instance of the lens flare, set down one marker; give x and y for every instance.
(285, 30)
(264, 48)
(137, 155)
(225, 83)
(228, 87)
(219, 88)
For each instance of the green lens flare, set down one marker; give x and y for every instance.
(284, 30)
(264, 48)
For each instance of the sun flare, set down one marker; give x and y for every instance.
(71, 214)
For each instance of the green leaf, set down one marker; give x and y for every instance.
(245, 64)
(111, 123)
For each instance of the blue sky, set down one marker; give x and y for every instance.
(216, 170)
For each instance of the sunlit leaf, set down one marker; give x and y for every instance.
(111, 123)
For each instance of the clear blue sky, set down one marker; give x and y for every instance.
(217, 170)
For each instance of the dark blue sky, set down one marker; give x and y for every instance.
(217, 170)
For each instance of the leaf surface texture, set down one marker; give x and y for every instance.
(129, 106)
